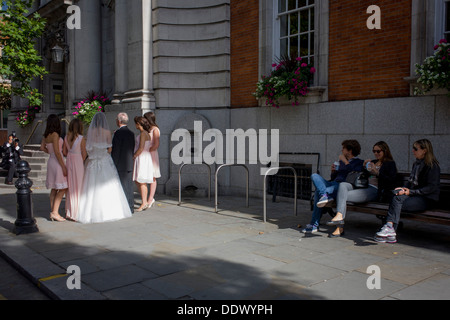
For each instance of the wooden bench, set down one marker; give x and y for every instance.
(439, 215)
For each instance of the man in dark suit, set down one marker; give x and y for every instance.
(122, 155)
(12, 150)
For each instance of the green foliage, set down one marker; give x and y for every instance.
(26, 117)
(20, 61)
(289, 78)
(92, 104)
(435, 70)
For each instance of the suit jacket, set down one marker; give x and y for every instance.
(123, 149)
(9, 152)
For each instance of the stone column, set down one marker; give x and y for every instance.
(85, 51)
(120, 50)
(140, 72)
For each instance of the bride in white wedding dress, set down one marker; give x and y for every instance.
(102, 197)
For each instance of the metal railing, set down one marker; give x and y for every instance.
(217, 187)
(34, 130)
(179, 179)
(40, 122)
(265, 189)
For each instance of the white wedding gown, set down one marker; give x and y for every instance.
(102, 196)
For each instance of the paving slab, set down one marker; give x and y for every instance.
(189, 252)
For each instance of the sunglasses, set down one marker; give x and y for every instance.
(377, 151)
(415, 149)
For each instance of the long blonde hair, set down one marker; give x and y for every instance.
(425, 144)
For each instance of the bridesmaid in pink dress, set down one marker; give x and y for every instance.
(56, 168)
(154, 145)
(75, 152)
(143, 171)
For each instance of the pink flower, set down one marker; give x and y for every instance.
(443, 41)
(304, 65)
(298, 59)
(274, 65)
(436, 47)
(313, 70)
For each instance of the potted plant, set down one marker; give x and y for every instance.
(434, 73)
(27, 117)
(290, 78)
(88, 107)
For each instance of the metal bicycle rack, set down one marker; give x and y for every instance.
(179, 179)
(216, 183)
(265, 189)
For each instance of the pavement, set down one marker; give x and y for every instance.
(189, 252)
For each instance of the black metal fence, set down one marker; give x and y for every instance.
(282, 184)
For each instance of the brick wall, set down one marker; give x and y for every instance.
(367, 64)
(244, 52)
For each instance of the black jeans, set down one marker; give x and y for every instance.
(11, 167)
(407, 204)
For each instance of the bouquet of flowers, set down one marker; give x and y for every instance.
(27, 117)
(92, 104)
(290, 78)
(435, 70)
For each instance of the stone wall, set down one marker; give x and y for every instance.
(322, 127)
(191, 53)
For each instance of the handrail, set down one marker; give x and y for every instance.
(179, 179)
(34, 130)
(66, 121)
(38, 124)
(217, 187)
(265, 191)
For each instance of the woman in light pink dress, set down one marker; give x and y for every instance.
(143, 168)
(56, 167)
(154, 145)
(75, 152)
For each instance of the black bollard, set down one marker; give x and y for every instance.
(25, 222)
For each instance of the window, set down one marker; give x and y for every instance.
(442, 20)
(447, 20)
(295, 29)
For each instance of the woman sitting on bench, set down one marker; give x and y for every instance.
(420, 192)
(382, 181)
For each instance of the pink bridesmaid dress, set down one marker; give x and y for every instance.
(75, 174)
(155, 157)
(55, 176)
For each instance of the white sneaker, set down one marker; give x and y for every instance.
(387, 231)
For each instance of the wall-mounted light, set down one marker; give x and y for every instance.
(57, 54)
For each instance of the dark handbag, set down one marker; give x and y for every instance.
(358, 179)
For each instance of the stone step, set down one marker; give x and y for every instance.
(38, 167)
(32, 147)
(32, 153)
(37, 174)
(34, 160)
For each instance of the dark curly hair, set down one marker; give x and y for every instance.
(353, 146)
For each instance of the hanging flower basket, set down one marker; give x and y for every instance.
(25, 118)
(87, 108)
(289, 79)
(434, 73)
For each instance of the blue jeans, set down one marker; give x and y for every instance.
(322, 186)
